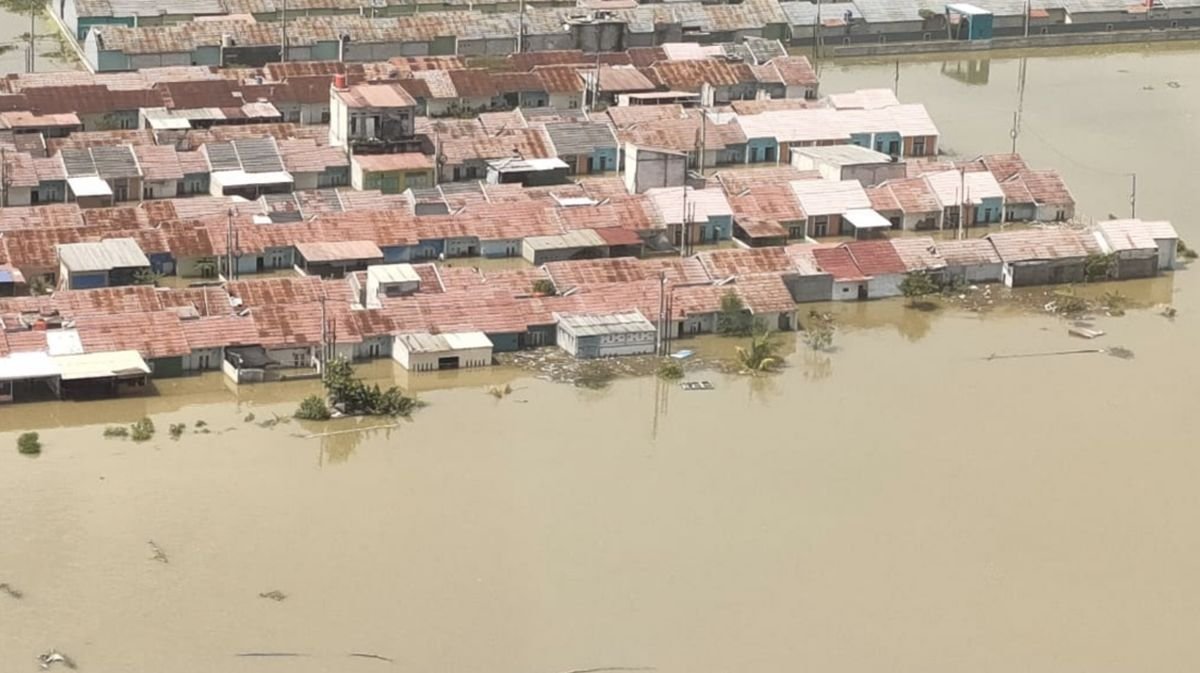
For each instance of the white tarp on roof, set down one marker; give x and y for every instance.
(89, 186)
(865, 218)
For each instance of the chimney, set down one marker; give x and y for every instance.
(339, 82)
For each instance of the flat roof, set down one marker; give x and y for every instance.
(242, 178)
(89, 186)
(424, 342)
(112, 253)
(393, 273)
(967, 8)
(20, 366)
(844, 155)
(526, 165)
(100, 365)
(865, 218)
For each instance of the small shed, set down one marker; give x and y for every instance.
(849, 162)
(866, 223)
(606, 335)
(425, 352)
(1140, 249)
(968, 22)
(527, 172)
(107, 263)
(338, 258)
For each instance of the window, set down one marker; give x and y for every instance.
(1045, 30)
(883, 39)
(298, 359)
(1060, 216)
(147, 192)
(925, 37)
(895, 222)
(324, 116)
(292, 116)
(1108, 27)
(845, 40)
(573, 103)
(918, 147)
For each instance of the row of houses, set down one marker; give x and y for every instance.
(128, 36)
(429, 317)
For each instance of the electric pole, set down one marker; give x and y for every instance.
(283, 41)
(1133, 197)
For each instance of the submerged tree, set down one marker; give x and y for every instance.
(355, 398)
(734, 318)
(917, 285)
(818, 331)
(761, 354)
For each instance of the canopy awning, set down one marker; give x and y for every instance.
(865, 218)
(89, 186)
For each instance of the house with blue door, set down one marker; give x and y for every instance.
(704, 213)
(107, 263)
(587, 147)
(972, 198)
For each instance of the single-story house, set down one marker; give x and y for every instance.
(424, 352)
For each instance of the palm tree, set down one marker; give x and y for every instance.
(760, 355)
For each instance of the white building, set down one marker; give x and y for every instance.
(606, 335)
(424, 352)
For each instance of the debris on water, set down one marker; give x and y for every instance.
(1173, 84)
(11, 590)
(274, 595)
(270, 654)
(1010, 356)
(1119, 352)
(500, 392)
(1085, 332)
(682, 354)
(696, 385)
(159, 554)
(45, 661)
(1167, 311)
(368, 655)
(249, 418)
(201, 423)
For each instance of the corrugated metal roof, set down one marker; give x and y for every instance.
(113, 253)
(968, 252)
(919, 253)
(585, 325)
(702, 204)
(829, 197)
(332, 251)
(580, 138)
(100, 365)
(1037, 245)
(844, 155)
(424, 342)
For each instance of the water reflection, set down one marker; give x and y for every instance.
(974, 72)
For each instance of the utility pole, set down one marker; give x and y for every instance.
(324, 351)
(521, 29)
(817, 34)
(1133, 197)
(32, 34)
(662, 308)
(283, 41)
(1027, 8)
(896, 83)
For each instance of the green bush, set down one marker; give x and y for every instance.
(313, 408)
(177, 429)
(142, 431)
(670, 370)
(116, 431)
(29, 444)
(734, 319)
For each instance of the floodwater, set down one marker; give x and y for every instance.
(901, 504)
(14, 42)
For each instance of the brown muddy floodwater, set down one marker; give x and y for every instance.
(901, 504)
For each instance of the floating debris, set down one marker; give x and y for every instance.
(45, 661)
(696, 385)
(368, 655)
(274, 595)
(1167, 311)
(682, 354)
(1011, 356)
(159, 554)
(249, 418)
(1173, 84)
(11, 591)
(1119, 352)
(270, 654)
(1085, 332)
(500, 392)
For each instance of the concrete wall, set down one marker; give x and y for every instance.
(202, 359)
(885, 285)
(810, 288)
(1054, 272)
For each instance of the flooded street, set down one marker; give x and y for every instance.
(901, 504)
